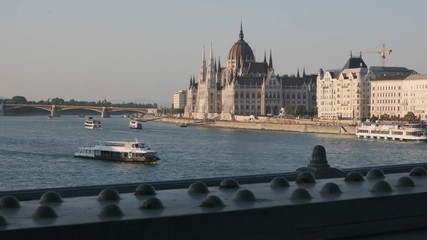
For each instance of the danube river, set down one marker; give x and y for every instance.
(38, 153)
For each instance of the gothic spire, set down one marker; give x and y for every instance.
(303, 72)
(297, 72)
(241, 31)
(219, 64)
(203, 54)
(211, 53)
(270, 64)
(265, 57)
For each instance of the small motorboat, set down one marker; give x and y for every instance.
(135, 124)
(92, 123)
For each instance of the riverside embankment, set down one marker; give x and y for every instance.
(273, 124)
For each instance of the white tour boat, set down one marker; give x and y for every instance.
(91, 123)
(135, 124)
(402, 132)
(119, 151)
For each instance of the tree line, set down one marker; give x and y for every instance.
(73, 102)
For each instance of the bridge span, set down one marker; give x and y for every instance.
(56, 110)
(314, 202)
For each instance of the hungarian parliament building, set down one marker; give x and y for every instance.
(246, 87)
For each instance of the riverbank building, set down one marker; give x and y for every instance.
(348, 93)
(245, 87)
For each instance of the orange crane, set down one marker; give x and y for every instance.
(383, 52)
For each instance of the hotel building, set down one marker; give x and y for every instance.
(348, 93)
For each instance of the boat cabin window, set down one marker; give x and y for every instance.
(138, 145)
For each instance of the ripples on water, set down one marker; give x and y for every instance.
(38, 153)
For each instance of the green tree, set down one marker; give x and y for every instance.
(410, 116)
(18, 100)
(57, 101)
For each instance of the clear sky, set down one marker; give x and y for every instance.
(137, 50)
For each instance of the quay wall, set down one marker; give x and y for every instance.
(304, 126)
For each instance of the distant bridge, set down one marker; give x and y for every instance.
(55, 110)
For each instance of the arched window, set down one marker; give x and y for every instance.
(242, 95)
(247, 95)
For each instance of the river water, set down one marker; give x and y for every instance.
(38, 153)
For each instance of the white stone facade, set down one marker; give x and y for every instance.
(243, 87)
(398, 95)
(179, 99)
(354, 92)
(344, 94)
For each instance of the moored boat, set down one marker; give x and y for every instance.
(396, 131)
(119, 151)
(92, 123)
(135, 124)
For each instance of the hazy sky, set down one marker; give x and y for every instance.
(141, 50)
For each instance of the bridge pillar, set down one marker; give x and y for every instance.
(1, 109)
(105, 113)
(54, 112)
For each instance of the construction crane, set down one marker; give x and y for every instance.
(383, 52)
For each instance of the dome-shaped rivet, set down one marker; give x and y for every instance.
(229, 184)
(151, 203)
(305, 177)
(44, 212)
(145, 189)
(212, 202)
(405, 182)
(51, 197)
(279, 182)
(375, 174)
(354, 177)
(300, 194)
(330, 188)
(417, 172)
(381, 186)
(198, 187)
(2, 221)
(111, 210)
(244, 195)
(108, 194)
(9, 202)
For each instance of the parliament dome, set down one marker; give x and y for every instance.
(241, 50)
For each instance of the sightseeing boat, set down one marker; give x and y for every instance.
(135, 124)
(402, 132)
(92, 123)
(119, 151)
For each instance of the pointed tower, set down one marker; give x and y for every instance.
(211, 70)
(297, 72)
(303, 72)
(202, 76)
(218, 71)
(265, 57)
(270, 64)
(241, 31)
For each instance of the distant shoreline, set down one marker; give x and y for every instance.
(286, 125)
